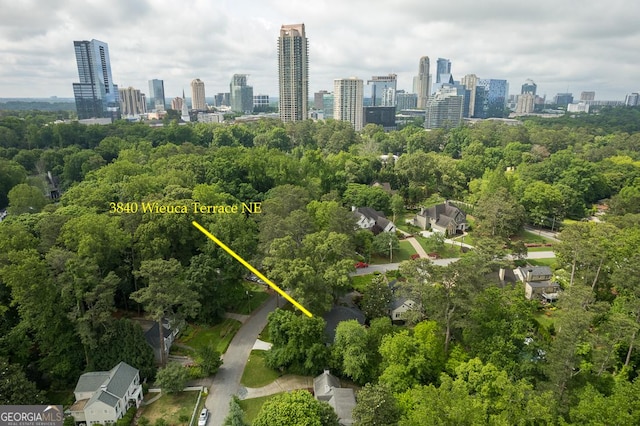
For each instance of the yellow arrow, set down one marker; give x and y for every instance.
(251, 268)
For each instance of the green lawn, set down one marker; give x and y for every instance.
(256, 374)
(220, 335)
(264, 335)
(256, 297)
(545, 320)
(447, 251)
(360, 282)
(174, 408)
(543, 262)
(252, 406)
(405, 252)
(532, 237)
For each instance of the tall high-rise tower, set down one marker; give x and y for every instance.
(197, 95)
(383, 89)
(156, 94)
(347, 101)
(423, 82)
(132, 102)
(240, 94)
(293, 72)
(443, 67)
(95, 94)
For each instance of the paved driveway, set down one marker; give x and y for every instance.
(226, 382)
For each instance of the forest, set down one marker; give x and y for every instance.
(72, 270)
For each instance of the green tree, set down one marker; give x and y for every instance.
(498, 214)
(15, 387)
(236, 414)
(173, 377)
(24, 198)
(297, 408)
(385, 243)
(376, 298)
(167, 295)
(376, 406)
(352, 352)
(209, 359)
(298, 342)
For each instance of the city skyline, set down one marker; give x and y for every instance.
(560, 48)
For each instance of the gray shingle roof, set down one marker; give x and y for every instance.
(121, 377)
(91, 382)
(324, 383)
(107, 386)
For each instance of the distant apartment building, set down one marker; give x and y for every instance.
(406, 100)
(380, 115)
(327, 104)
(156, 95)
(197, 95)
(587, 96)
(176, 103)
(260, 101)
(383, 90)
(632, 99)
(470, 81)
(132, 102)
(563, 99)
(347, 102)
(422, 83)
(579, 107)
(491, 98)
(293, 73)
(318, 97)
(444, 108)
(96, 95)
(529, 87)
(241, 95)
(525, 103)
(221, 99)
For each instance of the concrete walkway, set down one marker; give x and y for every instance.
(281, 384)
(226, 382)
(237, 317)
(260, 345)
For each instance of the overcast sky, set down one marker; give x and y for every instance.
(560, 44)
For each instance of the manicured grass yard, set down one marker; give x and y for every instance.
(219, 335)
(404, 253)
(545, 320)
(542, 262)
(252, 406)
(256, 374)
(174, 408)
(257, 296)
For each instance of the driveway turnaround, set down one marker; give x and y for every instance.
(226, 382)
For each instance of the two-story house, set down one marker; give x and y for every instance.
(103, 397)
(444, 218)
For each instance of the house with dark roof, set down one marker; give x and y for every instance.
(103, 397)
(537, 282)
(375, 221)
(326, 387)
(336, 315)
(444, 218)
(399, 307)
(152, 335)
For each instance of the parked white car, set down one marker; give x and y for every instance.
(204, 416)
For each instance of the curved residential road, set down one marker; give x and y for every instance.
(226, 382)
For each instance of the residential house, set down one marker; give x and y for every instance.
(444, 218)
(399, 307)
(386, 187)
(537, 282)
(336, 315)
(152, 336)
(372, 220)
(326, 387)
(103, 397)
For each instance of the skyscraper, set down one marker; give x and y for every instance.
(383, 90)
(95, 94)
(184, 113)
(444, 108)
(156, 94)
(443, 67)
(347, 101)
(132, 102)
(587, 96)
(197, 95)
(491, 98)
(470, 81)
(423, 82)
(529, 87)
(241, 95)
(293, 72)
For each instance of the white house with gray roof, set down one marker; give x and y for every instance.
(103, 397)
(326, 387)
